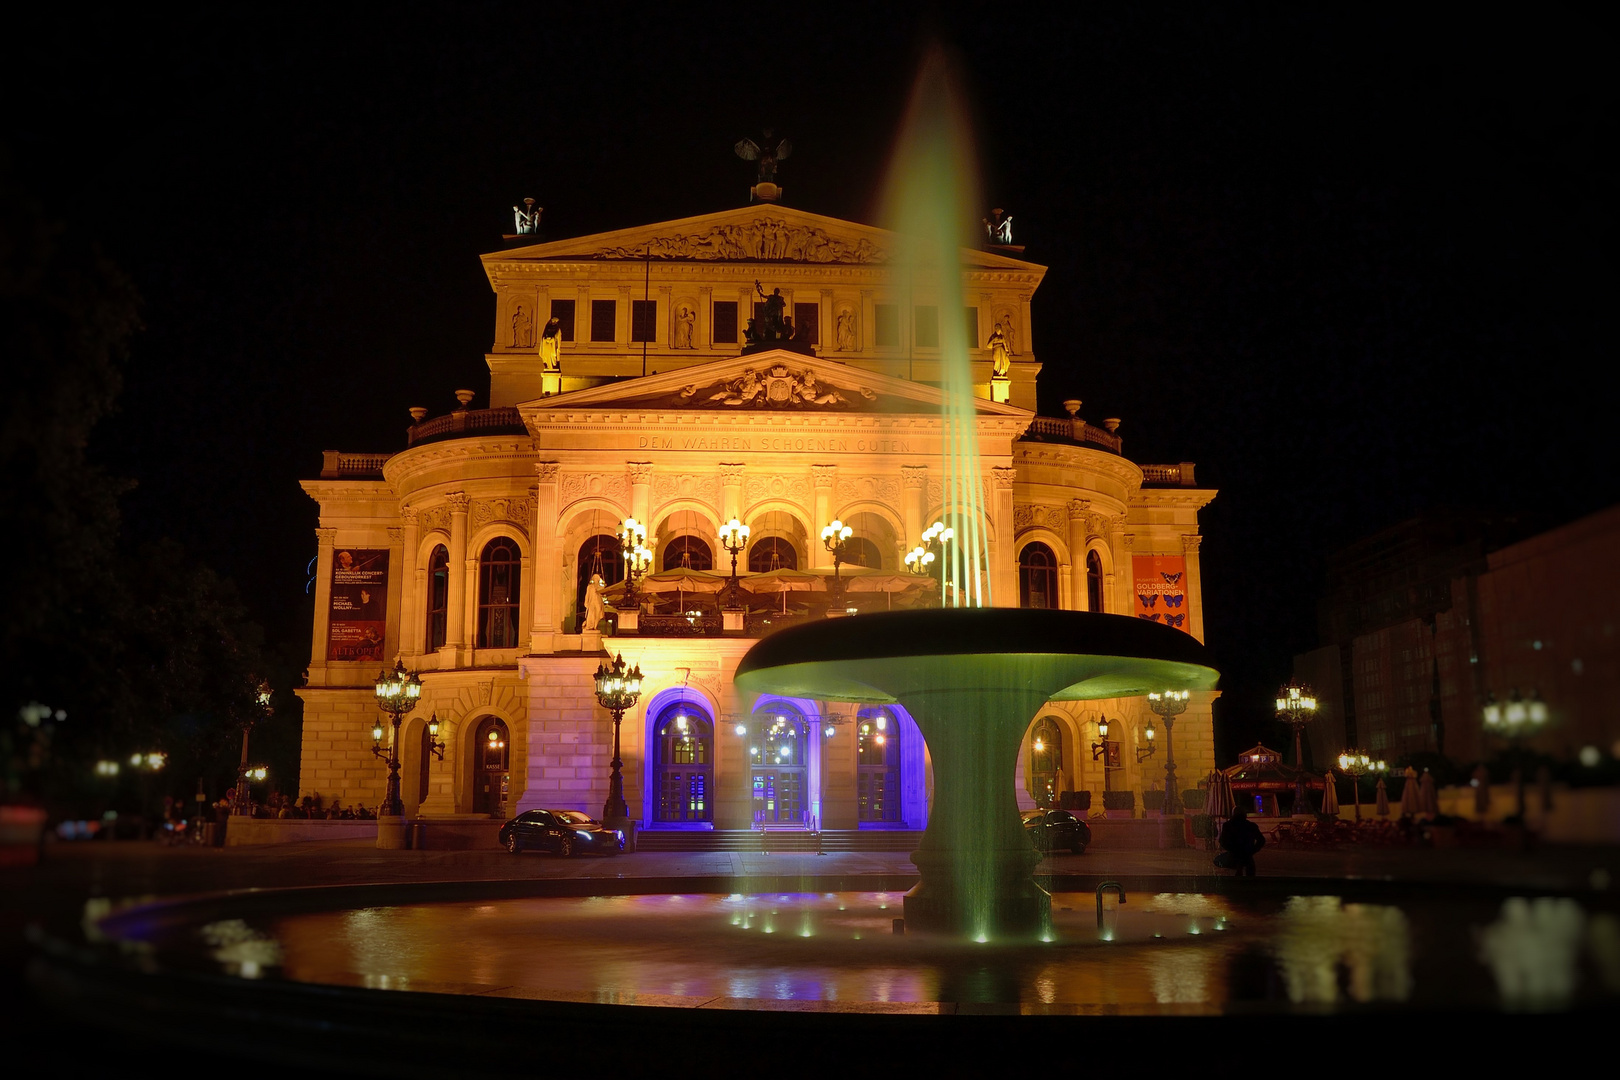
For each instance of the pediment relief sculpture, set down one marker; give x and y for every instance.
(765, 238)
(777, 387)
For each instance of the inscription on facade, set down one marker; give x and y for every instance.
(841, 444)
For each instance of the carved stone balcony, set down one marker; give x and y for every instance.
(465, 422)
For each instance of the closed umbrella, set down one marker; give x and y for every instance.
(1330, 796)
(1221, 803)
(1426, 792)
(1383, 798)
(1411, 797)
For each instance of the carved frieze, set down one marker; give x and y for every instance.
(1027, 516)
(776, 387)
(794, 488)
(936, 493)
(519, 511)
(883, 489)
(396, 534)
(436, 518)
(614, 487)
(763, 238)
(668, 486)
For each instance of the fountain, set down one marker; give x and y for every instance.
(972, 678)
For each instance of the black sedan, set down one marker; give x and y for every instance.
(563, 832)
(1050, 830)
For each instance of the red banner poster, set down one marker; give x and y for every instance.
(358, 616)
(1161, 589)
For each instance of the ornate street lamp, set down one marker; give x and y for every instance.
(398, 691)
(921, 558)
(1147, 751)
(1169, 704)
(616, 691)
(1516, 719)
(1100, 750)
(241, 798)
(733, 537)
(1356, 764)
(1296, 707)
(638, 557)
(435, 744)
(834, 536)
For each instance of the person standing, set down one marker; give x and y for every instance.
(1240, 841)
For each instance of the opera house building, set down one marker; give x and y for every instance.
(762, 371)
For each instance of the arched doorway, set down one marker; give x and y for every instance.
(779, 755)
(688, 553)
(499, 570)
(772, 553)
(1045, 761)
(492, 767)
(1094, 582)
(877, 767)
(683, 774)
(1037, 577)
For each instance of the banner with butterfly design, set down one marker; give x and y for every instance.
(1161, 589)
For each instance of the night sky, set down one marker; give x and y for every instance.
(1351, 264)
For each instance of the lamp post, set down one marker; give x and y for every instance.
(1516, 719)
(637, 555)
(241, 797)
(834, 536)
(733, 537)
(922, 557)
(1169, 704)
(617, 690)
(146, 764)
(1296, 707)
(398, 691)
(1356, 764)
(1100, 750)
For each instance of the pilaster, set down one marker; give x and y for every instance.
(822, 477)
(393, 636)
(1079, 514)
(1003, 561)
(641, 492)
(462, 581)
(915, 479)
(324, 539)
(543, 539)
(1195, 586)
(731, 485)
(414, 580)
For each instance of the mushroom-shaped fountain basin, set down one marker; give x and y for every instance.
(973, 680)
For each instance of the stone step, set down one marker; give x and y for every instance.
(778, 840)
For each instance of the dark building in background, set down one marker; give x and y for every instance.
(1422, 620)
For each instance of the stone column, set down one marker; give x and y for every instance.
(1117, 583)
(393, 629)
(324, 539)
(1079, 513)
(731, 495)
(1002, 554)
(543, 540)
(823, 477)
(1195, 586)
(641, 492)
(461, 573)
(412, 630)
(915, 479)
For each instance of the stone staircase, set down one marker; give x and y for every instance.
(778, 840)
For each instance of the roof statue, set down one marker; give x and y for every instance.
(771, 328)
(998, 228)
(527, 218)
(768, 154)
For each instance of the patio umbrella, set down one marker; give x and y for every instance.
(1383, 799)
(1426, 792)
(1330, 796)
(885, 581)
(786, 581)
(681, 581)
(1221, 803)
(1411, 798)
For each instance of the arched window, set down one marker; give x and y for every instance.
(772, 553)
(688, 553)
(492, 757)
(598, 555)
(438, 596)
(1046, 762)
(859, 551)
(1094, 582)
(684, 771)
(877, 766)
(498, 572)
(779, 754)
(1037, 577)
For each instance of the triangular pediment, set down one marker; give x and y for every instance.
(774, 381)
(763, 232)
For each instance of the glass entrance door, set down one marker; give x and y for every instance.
(778, 796)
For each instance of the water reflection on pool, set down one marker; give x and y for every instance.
(1165, 953)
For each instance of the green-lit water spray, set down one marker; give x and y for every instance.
(931, 195)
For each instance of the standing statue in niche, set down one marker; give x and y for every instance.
(522, 325)
(551, 346)
(846, 330)
(594, 609)
(685, 322)
(1000, 358)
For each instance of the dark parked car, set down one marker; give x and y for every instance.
(565, 832)
(1053, 829)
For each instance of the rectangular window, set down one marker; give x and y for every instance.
(807, 323)
(885, 324)
(725, 322)
(604, 316)
(643, 320)
(970, 319)
(927, 321)
(563, 312)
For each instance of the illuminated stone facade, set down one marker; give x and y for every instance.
(491, 520)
